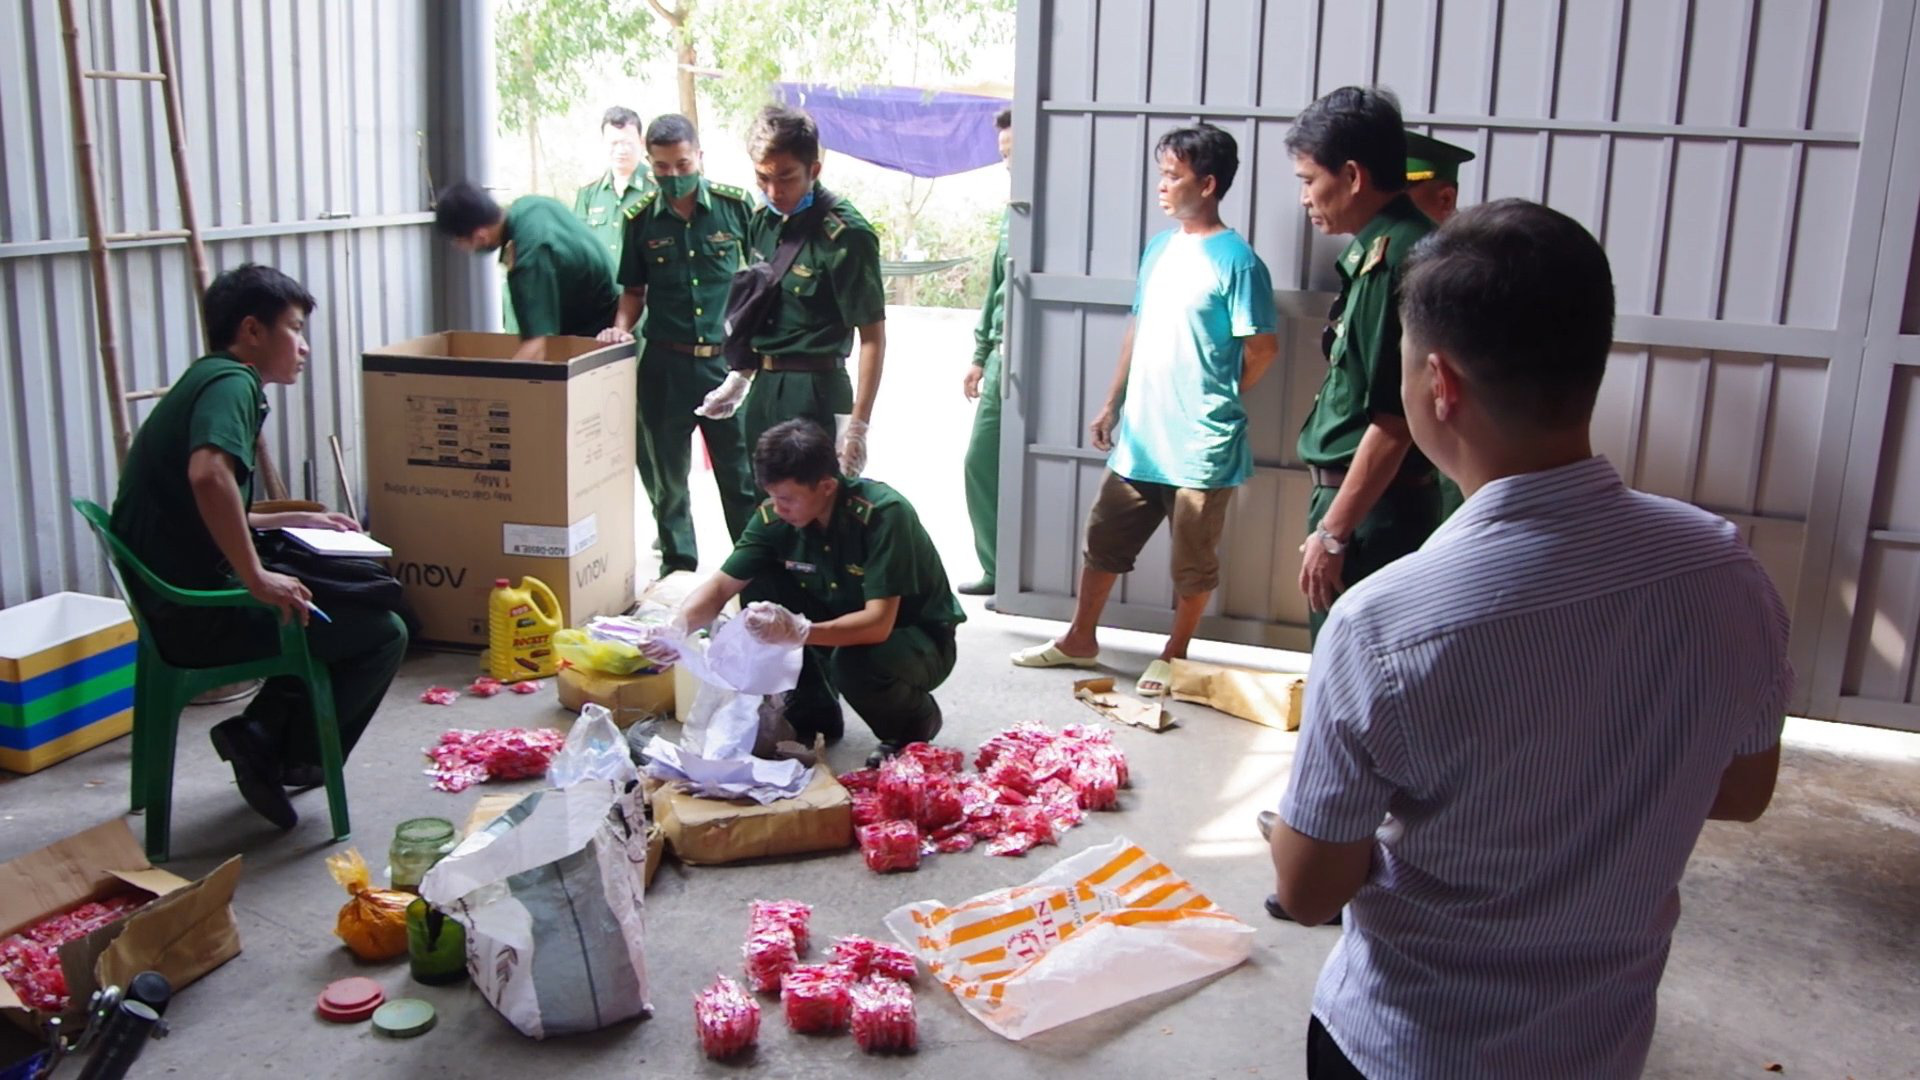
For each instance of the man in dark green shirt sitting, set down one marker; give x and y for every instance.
(844, 566)
(558, 273)
(184, 510)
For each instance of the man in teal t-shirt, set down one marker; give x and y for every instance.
(1203, 331)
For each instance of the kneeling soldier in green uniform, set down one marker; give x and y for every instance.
(832, 290)
(852, 573)
(558, 272)
(682, 246)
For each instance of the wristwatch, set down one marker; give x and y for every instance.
(1331, 543)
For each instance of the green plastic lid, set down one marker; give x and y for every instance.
(403, 1018)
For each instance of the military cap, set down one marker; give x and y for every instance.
(1430, 159)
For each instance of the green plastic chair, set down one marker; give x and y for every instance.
(161, 690)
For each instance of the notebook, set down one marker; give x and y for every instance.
(332, 542)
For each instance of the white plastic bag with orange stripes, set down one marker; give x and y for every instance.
(1099, 929)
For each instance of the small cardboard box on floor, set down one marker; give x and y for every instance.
(702, 831)
(186, 931)
(481, 467)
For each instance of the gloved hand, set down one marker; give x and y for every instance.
(853, 448)
(726, 397)
(662, 645)
(771, 624)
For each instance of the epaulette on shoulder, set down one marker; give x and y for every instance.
(729, 191)
(833, 225)
(862, 509)
(645, 201)
(767, 516)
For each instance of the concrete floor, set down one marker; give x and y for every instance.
(1797, 945)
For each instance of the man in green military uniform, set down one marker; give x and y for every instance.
(184, 510)
(683, 244)
(1433, 183)
(1374, 497)
(845, 567)
(832, 291)
(603, 204)
(982, 384)
(557, 271)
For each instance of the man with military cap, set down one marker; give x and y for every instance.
(683, 243)
(844, 566)
(603, 204)
(1433, 175)
(832, 291)
(1374, 496)
(558, 273)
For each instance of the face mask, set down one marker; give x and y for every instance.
(805, 201)
(678, 187)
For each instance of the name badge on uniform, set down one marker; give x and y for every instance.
(659, 242)
(802, 567)
(856, 571)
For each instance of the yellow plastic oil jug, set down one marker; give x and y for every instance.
(520, 627)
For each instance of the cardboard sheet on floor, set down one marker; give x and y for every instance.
(1100, 696)
(183, 934)
(1272, 698)
(708, 831)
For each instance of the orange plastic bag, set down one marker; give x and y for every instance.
(374, 922)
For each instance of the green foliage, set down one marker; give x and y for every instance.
(542, 49)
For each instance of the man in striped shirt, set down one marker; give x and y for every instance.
(1514, 735)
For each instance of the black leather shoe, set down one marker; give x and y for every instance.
(829, 726)
(1265, 821)
(298, 778)
(1274, 909)
(880, 755)
(256, 774)
(983, 587)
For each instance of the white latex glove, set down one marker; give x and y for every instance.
(771, 624)
(726, 397)
(853, 448)
(662, 646)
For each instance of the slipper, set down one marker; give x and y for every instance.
(1049, 655)
(1158, 675)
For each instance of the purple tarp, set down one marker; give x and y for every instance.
(901, 127)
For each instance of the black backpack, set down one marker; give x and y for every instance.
(756, 289)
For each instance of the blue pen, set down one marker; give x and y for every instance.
(315, 608)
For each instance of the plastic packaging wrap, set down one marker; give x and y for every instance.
(595, 750)
(936, 759)
(817, 998)
(30, 959)
(440, 695)
(373, 922)
(865, 957)
(859, 780)
(771, 953)
(527, 686)
(463, 758)
(727, 1019)
(867, 808)
(903, 789)
(792, 914)
(485, 686)
(883, 1017)
(890, 845)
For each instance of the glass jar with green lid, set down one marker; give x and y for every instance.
(418, 843)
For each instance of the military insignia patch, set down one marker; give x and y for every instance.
(506, 255)
(801, 271)
(1376, 254)
(856, 571)
(721, 237)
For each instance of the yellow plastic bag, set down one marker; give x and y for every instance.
(583, 650)
(374, 922)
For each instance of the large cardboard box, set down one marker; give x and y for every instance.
(187, 931)
(481, 467)
(66, 678)
(630, 698)
(700, 831)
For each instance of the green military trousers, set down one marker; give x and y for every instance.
(672, 385)
(362, 648)
(982, 470)
(779, 396)
(1397, 525)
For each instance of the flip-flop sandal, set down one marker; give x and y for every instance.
(1049, 655)
(1159, 674)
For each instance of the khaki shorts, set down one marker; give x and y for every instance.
(1127, 512)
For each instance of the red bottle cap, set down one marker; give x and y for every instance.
(501, 583)
(348, 1001)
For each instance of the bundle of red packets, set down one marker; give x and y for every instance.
(776, 936)
(463, 758)
(727, 1019)
(30, 959)
(862, 986)
(1033, 784)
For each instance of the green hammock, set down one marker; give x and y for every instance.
(915, 269)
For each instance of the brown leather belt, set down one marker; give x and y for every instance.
(702, 351)
(1333, 478)
(815, 364)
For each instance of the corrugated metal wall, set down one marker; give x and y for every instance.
(303, 124)
(1733, 156)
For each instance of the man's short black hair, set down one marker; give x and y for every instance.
(1207, 150)
(620, 117)
(250, 289)
(463, 209)
(670, 128)
(1358, 124)
(796, 450)
(1521, 298)
(1003, 119)
(779, 130)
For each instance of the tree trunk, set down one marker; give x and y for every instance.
(689, 101)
